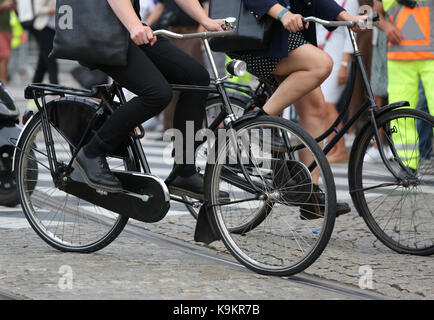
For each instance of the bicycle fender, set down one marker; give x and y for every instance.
(390, 107)
(20, 135)
(250, 113)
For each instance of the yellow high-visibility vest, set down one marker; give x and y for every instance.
(416, 25)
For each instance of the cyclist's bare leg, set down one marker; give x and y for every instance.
(312, 111)
(302, 71)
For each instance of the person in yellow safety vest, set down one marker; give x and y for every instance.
(409, 27)
(17, 31)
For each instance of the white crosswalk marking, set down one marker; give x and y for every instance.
(160, 162)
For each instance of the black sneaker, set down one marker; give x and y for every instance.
(315, 210)
(96, 173)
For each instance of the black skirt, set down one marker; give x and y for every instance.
(263, 67)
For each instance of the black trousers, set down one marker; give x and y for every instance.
(45, 38)
(149, 71)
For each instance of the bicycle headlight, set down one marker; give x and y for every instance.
(237, 68)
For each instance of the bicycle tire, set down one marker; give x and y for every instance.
(363, 175)
(243, 245)
(111, 226)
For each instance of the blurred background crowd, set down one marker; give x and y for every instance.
(27, 31)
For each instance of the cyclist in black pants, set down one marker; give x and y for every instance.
(152, 64)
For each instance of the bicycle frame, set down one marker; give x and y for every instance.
(107, 93)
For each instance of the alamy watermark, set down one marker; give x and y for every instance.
(65, 17)
(366, 280)
(226, 145)
(66, 280)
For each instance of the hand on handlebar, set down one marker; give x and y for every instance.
(142, 35)
(360, 22)
(293, 22)
(214, 25)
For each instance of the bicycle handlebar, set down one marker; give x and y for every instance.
(230, 24)
(373, 18)
(202, 35)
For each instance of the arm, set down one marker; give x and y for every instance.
(7, 5)
(290, 21)
(206, 8)
(140, 34)
(156, 14)
(393, 34)
(44, 7)
(195, 10)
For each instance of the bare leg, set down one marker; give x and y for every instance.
(300, 76)
(4, 70)
(302, 71)
(312, 111)
(339, 152)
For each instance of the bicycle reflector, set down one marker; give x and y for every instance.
(237, 68)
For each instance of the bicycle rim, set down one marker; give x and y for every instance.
(61, 219)
(277, 239)
(398, 213)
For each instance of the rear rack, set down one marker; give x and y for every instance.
(37, 90)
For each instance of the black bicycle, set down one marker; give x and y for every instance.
(258, 193)
(392, 185)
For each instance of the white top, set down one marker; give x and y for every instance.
(340, 42)
(146, 7)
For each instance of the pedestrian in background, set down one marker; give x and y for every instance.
(5, 37)
(410, 60)
(364, 42)
(338, 45)
(43, 30)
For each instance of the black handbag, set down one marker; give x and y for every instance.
(89, 31)
(251, 33)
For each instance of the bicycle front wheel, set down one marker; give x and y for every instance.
(64, 221)
(398, 211)
(213, 108)
(284, 222)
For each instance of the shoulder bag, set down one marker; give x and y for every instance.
(251, 33)
(89, 31)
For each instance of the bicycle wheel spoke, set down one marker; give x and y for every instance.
(63, 220)
(272, 236)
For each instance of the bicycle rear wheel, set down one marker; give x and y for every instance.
(64, 221)
(397, 211)
(273, 236)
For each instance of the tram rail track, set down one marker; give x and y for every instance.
(301, 279)
(141, 232)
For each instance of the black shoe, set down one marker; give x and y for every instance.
(96, 173)
(315, 210)
(192, 186)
